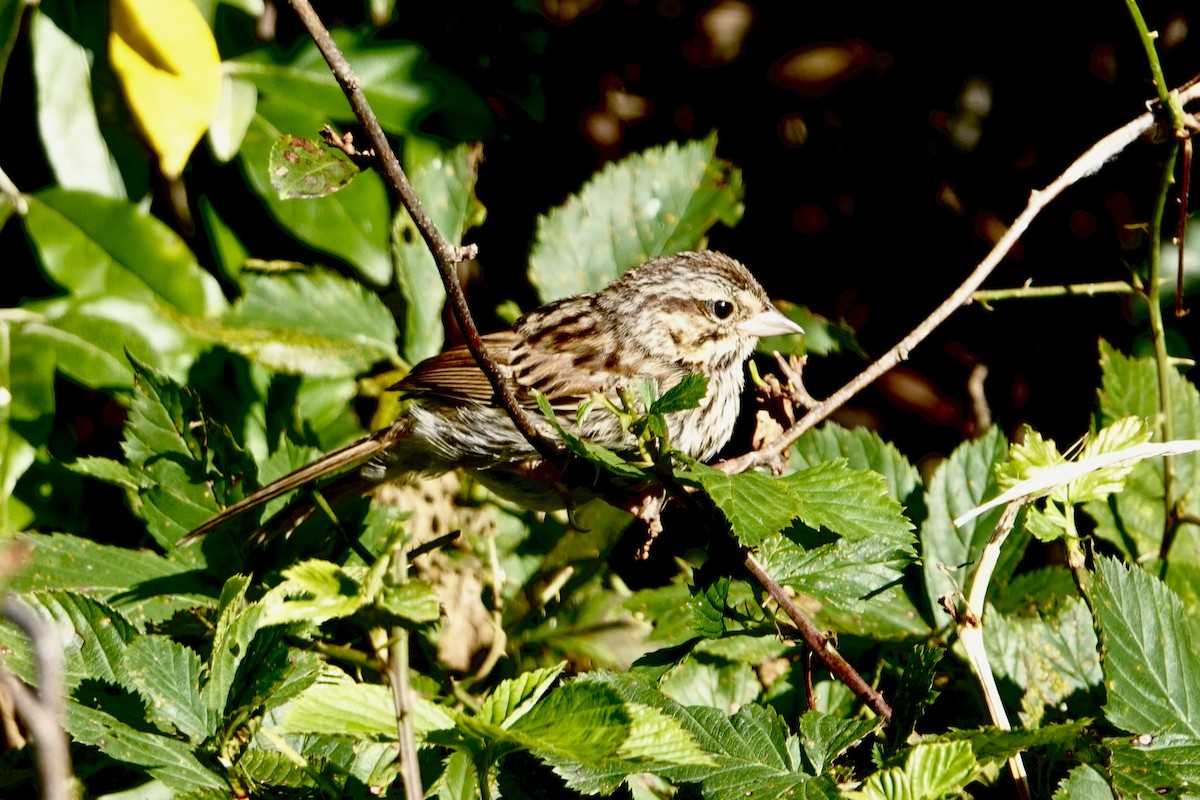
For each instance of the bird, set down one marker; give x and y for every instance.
(690, 312)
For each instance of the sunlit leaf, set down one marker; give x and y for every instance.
(661, 201)
(167, 61)
(302, 168)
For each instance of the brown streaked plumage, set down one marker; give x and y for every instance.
(674, 315)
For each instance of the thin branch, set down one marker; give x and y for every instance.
(446, 255)
(1162, 364)
(42, 712)
(1087, 164)
(817, 641)
(1026, 292)
(397, 672)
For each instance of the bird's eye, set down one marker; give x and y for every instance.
(721, 308)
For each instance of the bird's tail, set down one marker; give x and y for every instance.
(349, 456)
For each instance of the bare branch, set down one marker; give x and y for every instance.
(446, 255)
(1087, 164)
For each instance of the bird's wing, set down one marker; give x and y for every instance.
(557, 357)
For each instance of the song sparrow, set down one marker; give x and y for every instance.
(699, 312)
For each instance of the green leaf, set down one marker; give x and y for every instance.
(356, 709)
(992, 746)
(311, 322)
(948, 553)
(825, 737)
(237, 624)
(1050, 655)
(862, 449)
(657, 202)
(10, 28)
(854, 504)
(94, 246)
(327, 591)
(1084, 783)
(759, 758)
(71, 131)
(401, 84)
(582, 721)
(94, 638)
(163, 439)
(445, 182)
(414, 600)
(684, 395)
(1155, 766)
(719, 684)
(167, 676)
(913, 694)
(1149, 662)
(512, 698)
(597, 454)
(756, 505)
(350, 225)
(1134, 518)
(302, 168)
(169, 760)
(930, 772)
(141, 585)
(235, 110)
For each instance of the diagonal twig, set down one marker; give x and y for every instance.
(1087, 164)
(445, 254)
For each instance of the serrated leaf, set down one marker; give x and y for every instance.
(325, 590)
(237, 624)
(684, 395)
(270, 768)
(862, 449)
(852, 503)
(756, 505)
(719, 684)
(162, 439)
(97, 247)
(166, 59)
(94, 638)
(513, 697)
(992, 745)
(1155, 766)
(1135, 518)
(303, 168)
(117, 576)
(825, 737)
(311, 323)
(597, 454)
(930, 772)
(445, 182)
(759, 758)
(167, 675)
(660, 201)
(1050, 655)
(582, 721)
(1084, 783)
(168, 759)
(1148, 658)
(357, 709)
(948, 553)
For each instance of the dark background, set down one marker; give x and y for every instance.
(861, 200)
(853, 220)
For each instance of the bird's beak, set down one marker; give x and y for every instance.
(769, 323)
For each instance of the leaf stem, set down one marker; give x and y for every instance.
(1162, 363)
(985, 296)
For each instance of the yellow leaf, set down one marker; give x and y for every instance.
(165, 57)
